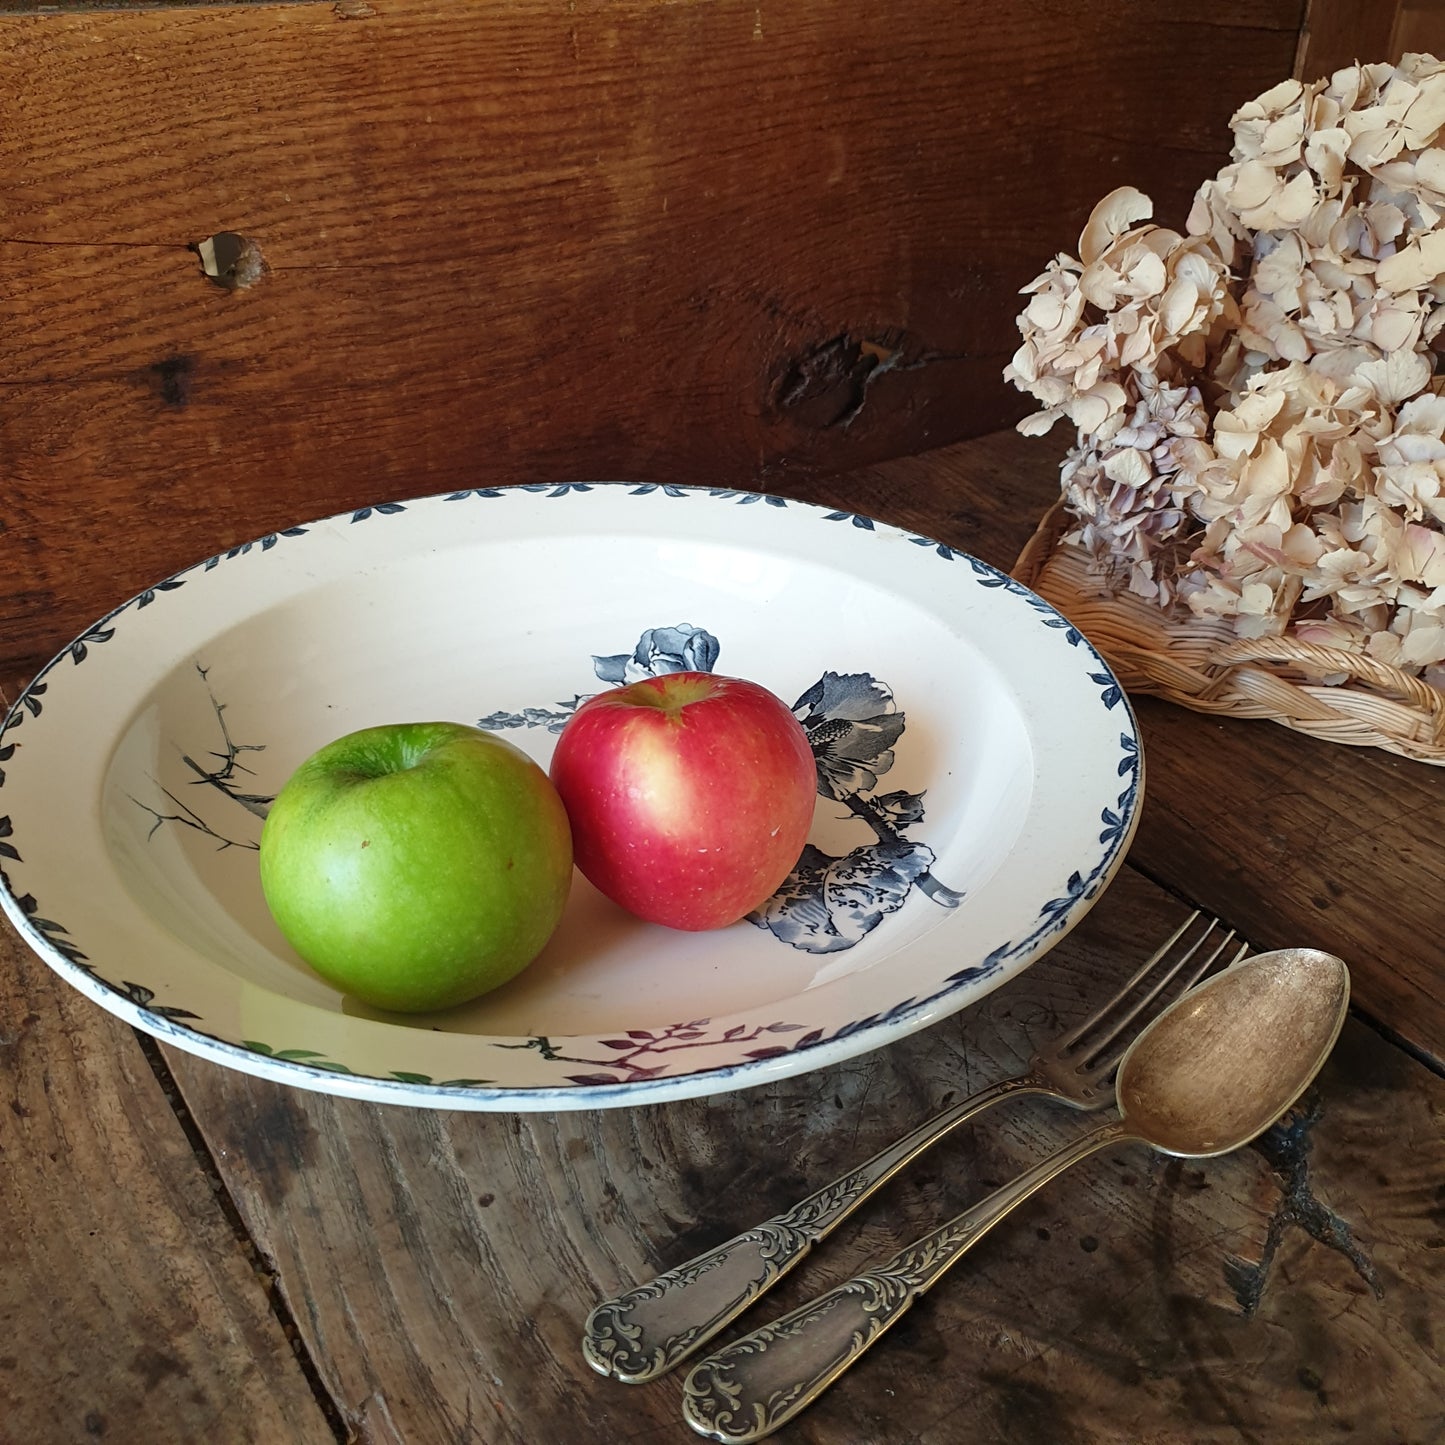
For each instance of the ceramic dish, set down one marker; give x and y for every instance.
(979, 781)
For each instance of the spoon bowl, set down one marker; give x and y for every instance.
(1223, 1063)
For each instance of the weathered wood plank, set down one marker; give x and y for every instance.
(1140, 1299)
(1336, 33)
(129, 1308)
(683, 242)
(31, 7)
(1340, 32)
(1303, 844)
(1419, 25)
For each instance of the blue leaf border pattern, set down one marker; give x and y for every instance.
(895, 811)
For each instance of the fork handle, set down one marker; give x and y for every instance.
(757, 1383)
(645, 1332)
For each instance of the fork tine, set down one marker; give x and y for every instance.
(1152, 962)
(1095, 1056)
(1208, 963)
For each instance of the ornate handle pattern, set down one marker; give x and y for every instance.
(648, 1330)
(757, 1383)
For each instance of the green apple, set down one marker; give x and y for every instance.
(417, 865)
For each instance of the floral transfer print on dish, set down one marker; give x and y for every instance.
(828, 903)
(624, 1062)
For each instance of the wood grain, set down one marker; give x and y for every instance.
(689, 242)
(1143, 1299)
(1420, 26)
(1336, 33)
(1302, 846)
(130, 1311)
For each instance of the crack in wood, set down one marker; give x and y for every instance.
(828, 385)
(263, 1267)
(94, 245)
(1286, 1148)
(1434, 1063)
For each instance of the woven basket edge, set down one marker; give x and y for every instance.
(1152, 654)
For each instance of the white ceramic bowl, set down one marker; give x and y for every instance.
(979, 766)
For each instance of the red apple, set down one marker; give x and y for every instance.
(690, 796)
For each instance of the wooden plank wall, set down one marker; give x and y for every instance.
(1340, 32)
(717, 241)
(708, 241)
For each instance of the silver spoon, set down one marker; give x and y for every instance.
(1212, 1072)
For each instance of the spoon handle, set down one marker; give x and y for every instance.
(645, 1332)
(750, 1387)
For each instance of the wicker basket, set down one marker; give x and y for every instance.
(1201, 664)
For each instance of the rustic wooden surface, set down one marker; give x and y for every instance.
(1139, 1300)
(1419, 25)
(130, 1307)
(1271, 825)
(713, 242)
(1336, 33)
(435, 1267)
(509, 242)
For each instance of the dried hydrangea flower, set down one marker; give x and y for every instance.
(1260, 430)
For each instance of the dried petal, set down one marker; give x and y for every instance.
(1110, 218)
(1421, 556)
(1426, 113)
(1415, 265)
(1423, 645)
(1325, 154)
(1397, 376)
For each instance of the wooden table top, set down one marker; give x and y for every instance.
(188, 1253)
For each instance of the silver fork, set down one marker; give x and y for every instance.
(642, 1334)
